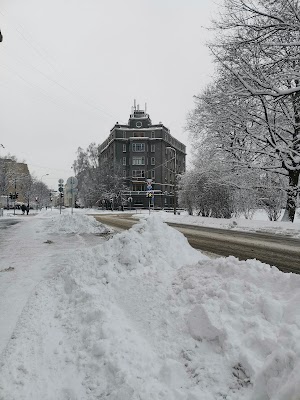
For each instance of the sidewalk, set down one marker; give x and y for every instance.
(24, 261)
(26, 258)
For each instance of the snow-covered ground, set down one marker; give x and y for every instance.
(259, 223)
(86, 314)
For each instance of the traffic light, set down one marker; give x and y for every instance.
(61, 194)
(17, 195)
(10, 195)
(60, 185)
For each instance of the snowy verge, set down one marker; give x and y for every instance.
(259, 223)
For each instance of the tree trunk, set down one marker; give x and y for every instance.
(292, 195)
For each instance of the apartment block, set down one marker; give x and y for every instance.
(150, 158)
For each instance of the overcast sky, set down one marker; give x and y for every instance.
(70, 69)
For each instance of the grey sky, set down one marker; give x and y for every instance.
(69, 69)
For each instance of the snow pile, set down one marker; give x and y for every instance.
(72, 223)
(144, 316)
(249, 314)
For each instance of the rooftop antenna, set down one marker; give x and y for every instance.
(134, 104)
(138, 107)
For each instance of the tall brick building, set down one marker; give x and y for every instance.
(148, 155)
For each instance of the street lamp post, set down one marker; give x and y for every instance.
(172, 148)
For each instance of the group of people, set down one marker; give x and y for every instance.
(25, 208)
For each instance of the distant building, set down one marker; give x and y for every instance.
(14, 178)
(148, 155)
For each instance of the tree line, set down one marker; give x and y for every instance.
(245, 125)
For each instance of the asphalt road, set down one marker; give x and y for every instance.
(278, 250)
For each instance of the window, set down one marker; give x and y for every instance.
(152, 160)
(152, 135)
(124, 135)
(152, 174)
(152, 148)
(138, 161)
(124, 173)
(124, 160)
(138, 188)
(138, 134)
(138, 147)
(138, 124)
(138, 173)
(124, 148)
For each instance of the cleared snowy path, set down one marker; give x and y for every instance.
(28, 254)
(23, 263)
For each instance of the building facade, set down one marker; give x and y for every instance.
(150, 158)
(14, 179)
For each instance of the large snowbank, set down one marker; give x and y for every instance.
(144, 316)
(72, 223)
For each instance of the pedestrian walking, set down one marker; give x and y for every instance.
(23, 208)
(27, 209)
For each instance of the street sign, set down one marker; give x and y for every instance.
(72, 181)
(60, 181)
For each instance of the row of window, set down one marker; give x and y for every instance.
(167, 136)
(138, 173)
(139, 134)
(138, 160)
(139, 147)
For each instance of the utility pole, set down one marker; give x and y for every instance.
(175, 194)
(15, 195)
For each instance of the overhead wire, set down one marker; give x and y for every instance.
(42, 91)
(50, 79)
(70, 91)
(27, 41)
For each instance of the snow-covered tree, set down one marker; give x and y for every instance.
(97, 181)
(272, 196)
(257, 46)
(203, 189)
(252, 110)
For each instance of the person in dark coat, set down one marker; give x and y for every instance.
(27, 209)
(23, 208)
